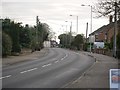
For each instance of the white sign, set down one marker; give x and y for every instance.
(114, 79)
(98, 44)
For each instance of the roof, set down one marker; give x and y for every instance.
(104, 28)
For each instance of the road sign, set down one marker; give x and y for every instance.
(114, 79)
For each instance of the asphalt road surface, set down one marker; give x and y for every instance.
(55, 70)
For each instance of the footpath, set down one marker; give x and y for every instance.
(24, 57)
(97, 76)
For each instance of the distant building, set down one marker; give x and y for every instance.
(54, 43)
(47, 44)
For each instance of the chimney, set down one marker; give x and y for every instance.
(110, 19)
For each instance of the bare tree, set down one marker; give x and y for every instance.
(106, 8)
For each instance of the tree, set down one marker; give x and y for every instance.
(42, 32)
(106, 8)
(25, 36)
(12, 29)
(78, 41)
(6, 44)
(65, 40)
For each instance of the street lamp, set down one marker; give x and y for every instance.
(70, 31)
(90, 25)
(76, 23)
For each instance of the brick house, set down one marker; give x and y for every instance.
(105, 33)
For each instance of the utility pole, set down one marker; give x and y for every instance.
(90, 40)
(66, 37)
(70, 32)
(91, 31)
(115, 30)
(77, 24)
(86, 31)
(37, 21)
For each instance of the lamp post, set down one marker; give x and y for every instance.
(90, 25)
(70, 31)
(76, 23)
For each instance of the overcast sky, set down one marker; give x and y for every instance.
(53, 12)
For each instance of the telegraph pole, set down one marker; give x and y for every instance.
(37, 22)
(115, 30)
(77, 24)
(86, 31)
(70, 32)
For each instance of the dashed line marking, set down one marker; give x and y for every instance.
(5, 77)
(47, 65)
(56, 61)
(76, 53)
(28, 70)
(64, 57)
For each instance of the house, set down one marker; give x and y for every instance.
(105, 33)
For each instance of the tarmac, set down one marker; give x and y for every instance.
(97, 76)
(10, 60)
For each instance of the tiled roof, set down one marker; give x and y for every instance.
(104, 28)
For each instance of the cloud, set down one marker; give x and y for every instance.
(55, 11)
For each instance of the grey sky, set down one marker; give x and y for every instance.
(52, 12)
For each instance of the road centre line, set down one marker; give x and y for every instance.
(5, 77)
(28, 70)
(47, 65)
(57, 61)
(76, 53)
(64, 57)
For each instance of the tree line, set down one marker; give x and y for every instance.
(15, 36)
(72, 42)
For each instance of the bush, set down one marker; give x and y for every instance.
(6, 44)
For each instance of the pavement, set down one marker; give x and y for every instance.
(97, 76)
(24, 57)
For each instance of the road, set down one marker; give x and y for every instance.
(55, 70)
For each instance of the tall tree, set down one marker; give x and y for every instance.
(6, 44)
(78, 41)
(65, 39)
(106, 8)
(25, 36)
(12, 29)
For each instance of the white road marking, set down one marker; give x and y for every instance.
(5, 77)
(56, 61)
(47, 65)
(76, 53)
(28, 70)
(64, 57)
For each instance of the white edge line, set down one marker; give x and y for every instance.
(5, 76)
